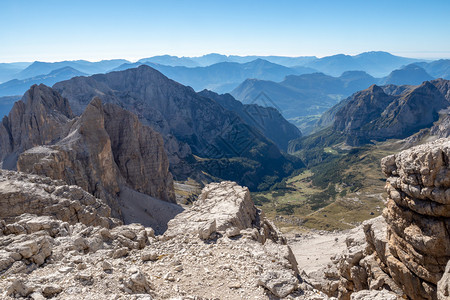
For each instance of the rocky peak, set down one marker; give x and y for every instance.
(268, 120)
(106, 147)
(104, 151)
(375, 89)
(443, 86)
(41, 97)
(37, 119)
(363, 107)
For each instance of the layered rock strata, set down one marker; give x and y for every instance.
(103, 149)
(407, 251)
(418, 217)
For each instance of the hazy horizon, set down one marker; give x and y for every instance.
(51, 30)
(132, 60)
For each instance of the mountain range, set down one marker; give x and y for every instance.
(19, 86)
(224, 76)
(199, 133)
(380, 113)
(376, 63)
(303, 99)
(39, 68)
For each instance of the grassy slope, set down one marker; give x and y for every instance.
(338, 193)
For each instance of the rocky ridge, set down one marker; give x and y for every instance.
(374, 115)
(101, 150)
(225, 250)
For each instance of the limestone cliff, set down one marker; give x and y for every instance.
(101, 151)
(418, 217)
(37, 119)
(104, 148)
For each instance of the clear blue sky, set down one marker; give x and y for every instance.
(52, 30)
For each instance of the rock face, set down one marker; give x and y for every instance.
(104, 148)
(407, 252)
(48, 257)
(37, 119)
(25, 193)
(418, 217)
(268, 120)
(443, 286)
(225, 208)
(189, 123)
(373, 114)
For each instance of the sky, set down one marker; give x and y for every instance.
(55, 30)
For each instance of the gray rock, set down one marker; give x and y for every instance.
(121, 252)
(374, 295)
(138, 283)
(149, 255)
(51, 290)
(279, 283)
(19, 289)
(22, 193)
(443, 286)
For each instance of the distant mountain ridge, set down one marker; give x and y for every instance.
(214, 58)
(411, 75)
(376, 63)
(301, 99)
(39, 68)
(220, 77)
(438, 68)
(18, 87)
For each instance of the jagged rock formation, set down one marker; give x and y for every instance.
(407, 252)
(37, 119)
(51, 258)
(106, 145)
(100, 151)
(233, 149)
(373, 114)
(229, 211)
(418, 217)
(381, 113)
